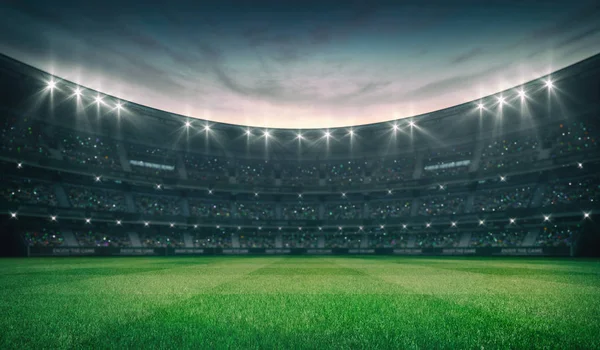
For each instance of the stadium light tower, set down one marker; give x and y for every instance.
(207, 128)
(299, 136)
(98, 100)
(119, 106)
(522, 94)
(549, 84)
(412, 124)
(480, 106)
(77, 92)
(188, 124)
(501, 100)
(395, 127)
(248, 132)
(327, 134)
(267, 134)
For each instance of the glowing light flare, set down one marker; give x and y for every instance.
(195, 226)
(248, 132)
(53, 218)
(389, 192)
(428, 225)
(546, 218)
(13, 215)
(343, 195)
(267, 134)
(412, 124)
(522, 94)
(503, 178)
(207, 128)
(382, 226)
(513, 220)
(172, 225)
(51, 84)
(188, 124)
(119, 106)
(118, 222)
(586, 215)
(549, 84)
(480, 106)
(158, 186)
(404, 226)
(299, 136)
(77, 92)
(210, 191)
(19, 165)
(453, 224)
(481, 222)
(98, 100)
(580, 165)
(501, 100)
(98, 178)
(88, 220)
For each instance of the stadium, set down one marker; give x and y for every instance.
(126, 226)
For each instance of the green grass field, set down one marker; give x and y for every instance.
(299, 302)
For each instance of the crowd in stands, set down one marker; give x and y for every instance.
(299, 211)
(300, 175)
(557, 236)
(345, 173)
(573, 137)
(215, 241)
(27, 191)
(157, 205)
(164, 161)
(496, 164)
(97, 199)
(257, 241)
(43, 238)
(514, 145)
(383, 240)
(343, 211)
(213, 209)
(206, 169)
(442, 205)
(93, 238)
(343, 241)
(89, 150)
(502, 238)
(21, 136)
(494, 200)
(256, 172)
(162, 240)
(300, 241)
(390, 209)
(255, 211)
(583, 191)
(437, 161)
(437, 240)
(392, 170)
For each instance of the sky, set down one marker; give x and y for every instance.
(305, 64)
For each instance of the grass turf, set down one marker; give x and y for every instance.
(299, 302)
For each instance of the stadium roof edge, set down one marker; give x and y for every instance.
(558, 75)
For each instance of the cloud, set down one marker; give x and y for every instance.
(467, 56)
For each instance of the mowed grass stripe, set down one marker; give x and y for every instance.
(385, 302)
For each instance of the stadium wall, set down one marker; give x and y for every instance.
(111, 251)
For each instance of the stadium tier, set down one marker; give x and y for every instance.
(501, 172)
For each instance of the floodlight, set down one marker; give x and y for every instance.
(267, 133)
(98, 100)
(360, 228)
(351, 133)
(411, 124)
(340, 228)
(51, 84)
(442, 187)
(395, 127)
(195, 226)
(77, 92)
(255, 194)
(207, 128)
(188, 124)
(501, 100)
(480, 106)
(320, 228)
(248, 132)
(327, 134)
(299, 195)
(119, 106)
(549, 84)
(522, 93)
(299, 136)
(158, 186)
(210, 192)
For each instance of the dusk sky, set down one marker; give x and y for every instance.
(300, 64)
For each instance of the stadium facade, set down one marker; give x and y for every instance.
(515, 173)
